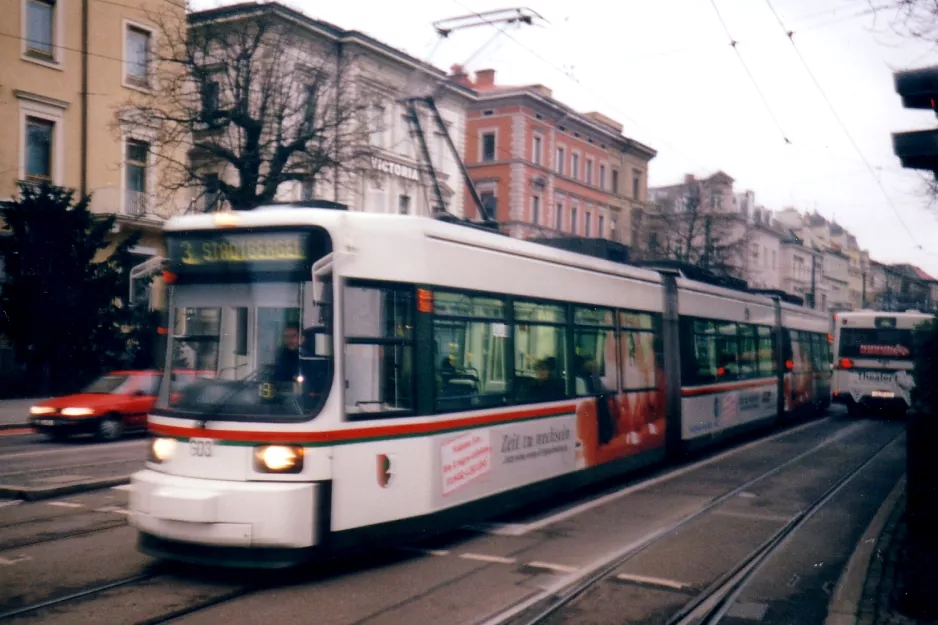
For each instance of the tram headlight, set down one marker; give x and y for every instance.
(162, 449)
(278, 459)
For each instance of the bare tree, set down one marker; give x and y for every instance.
(684, 229)
(244, 102)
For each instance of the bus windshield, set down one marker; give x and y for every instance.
(251, 311)
(876, 343)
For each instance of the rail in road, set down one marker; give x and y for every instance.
(700, 541)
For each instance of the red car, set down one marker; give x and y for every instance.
(111, 405)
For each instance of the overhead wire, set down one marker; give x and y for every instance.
(790, 35)
(734, 45)
(569, 75)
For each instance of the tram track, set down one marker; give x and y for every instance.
(75, 596)
(708, 605)
(32, 542)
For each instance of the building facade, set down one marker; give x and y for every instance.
(700, 221)
(381, 167)
(60, 100)
(545, 170)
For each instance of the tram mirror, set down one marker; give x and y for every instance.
(241, 331)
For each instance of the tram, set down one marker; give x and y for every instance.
(366, 376)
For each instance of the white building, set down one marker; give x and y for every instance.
(382, 165)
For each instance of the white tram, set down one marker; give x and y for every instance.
(873, 364)
(361, 375)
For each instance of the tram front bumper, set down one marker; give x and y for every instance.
(225, 514)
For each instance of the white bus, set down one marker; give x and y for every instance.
(873, 352)
(378, 375)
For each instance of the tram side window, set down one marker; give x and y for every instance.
(800, 351)
(767, 360)
(379, 350)
(540, 352)
(701, 363)
(637, 346)
(595, 369)
(470, 338)
(748, 356)
(728, 365)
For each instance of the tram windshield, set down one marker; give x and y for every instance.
(265, 342)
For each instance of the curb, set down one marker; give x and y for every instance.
(31, 493)
(844, 605)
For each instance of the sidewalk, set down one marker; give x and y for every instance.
(871, 587)
(14, 413)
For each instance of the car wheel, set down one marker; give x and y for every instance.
(110, 428)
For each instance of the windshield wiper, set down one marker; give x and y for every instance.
(216, 406)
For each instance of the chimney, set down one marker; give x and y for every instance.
(459, 76)
(688, 178)
(485, 78)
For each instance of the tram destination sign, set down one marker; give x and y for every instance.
(243, 253)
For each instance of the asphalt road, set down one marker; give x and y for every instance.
(34, 467)
(74, 559)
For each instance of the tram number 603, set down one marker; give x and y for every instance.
(201, 447)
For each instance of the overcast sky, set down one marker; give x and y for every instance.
(666, 70)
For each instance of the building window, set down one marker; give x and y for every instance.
(589, 171)
(558, 217)
(636, 184)
(560, 160)
(306, 190)
(537, 150)
(536, 210)
(575, 166)
(573, 220)
(773, 259)
(39, 136)
(615, 181)
(40, 20)
(379, 126)
(601, 223)
(210, 99)
(765, 255)
(615, 232)
(403, 204)
(587, 224)
(211, 194)
(137, 56)
(602, 177)
(488, 146)
(489, 202)
(135, 174)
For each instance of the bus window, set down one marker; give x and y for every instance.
(875, 343)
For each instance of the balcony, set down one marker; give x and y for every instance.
(135, 203)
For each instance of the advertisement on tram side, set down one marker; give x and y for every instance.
(710, 412)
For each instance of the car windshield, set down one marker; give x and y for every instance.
(110, 385)
(262, 351)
